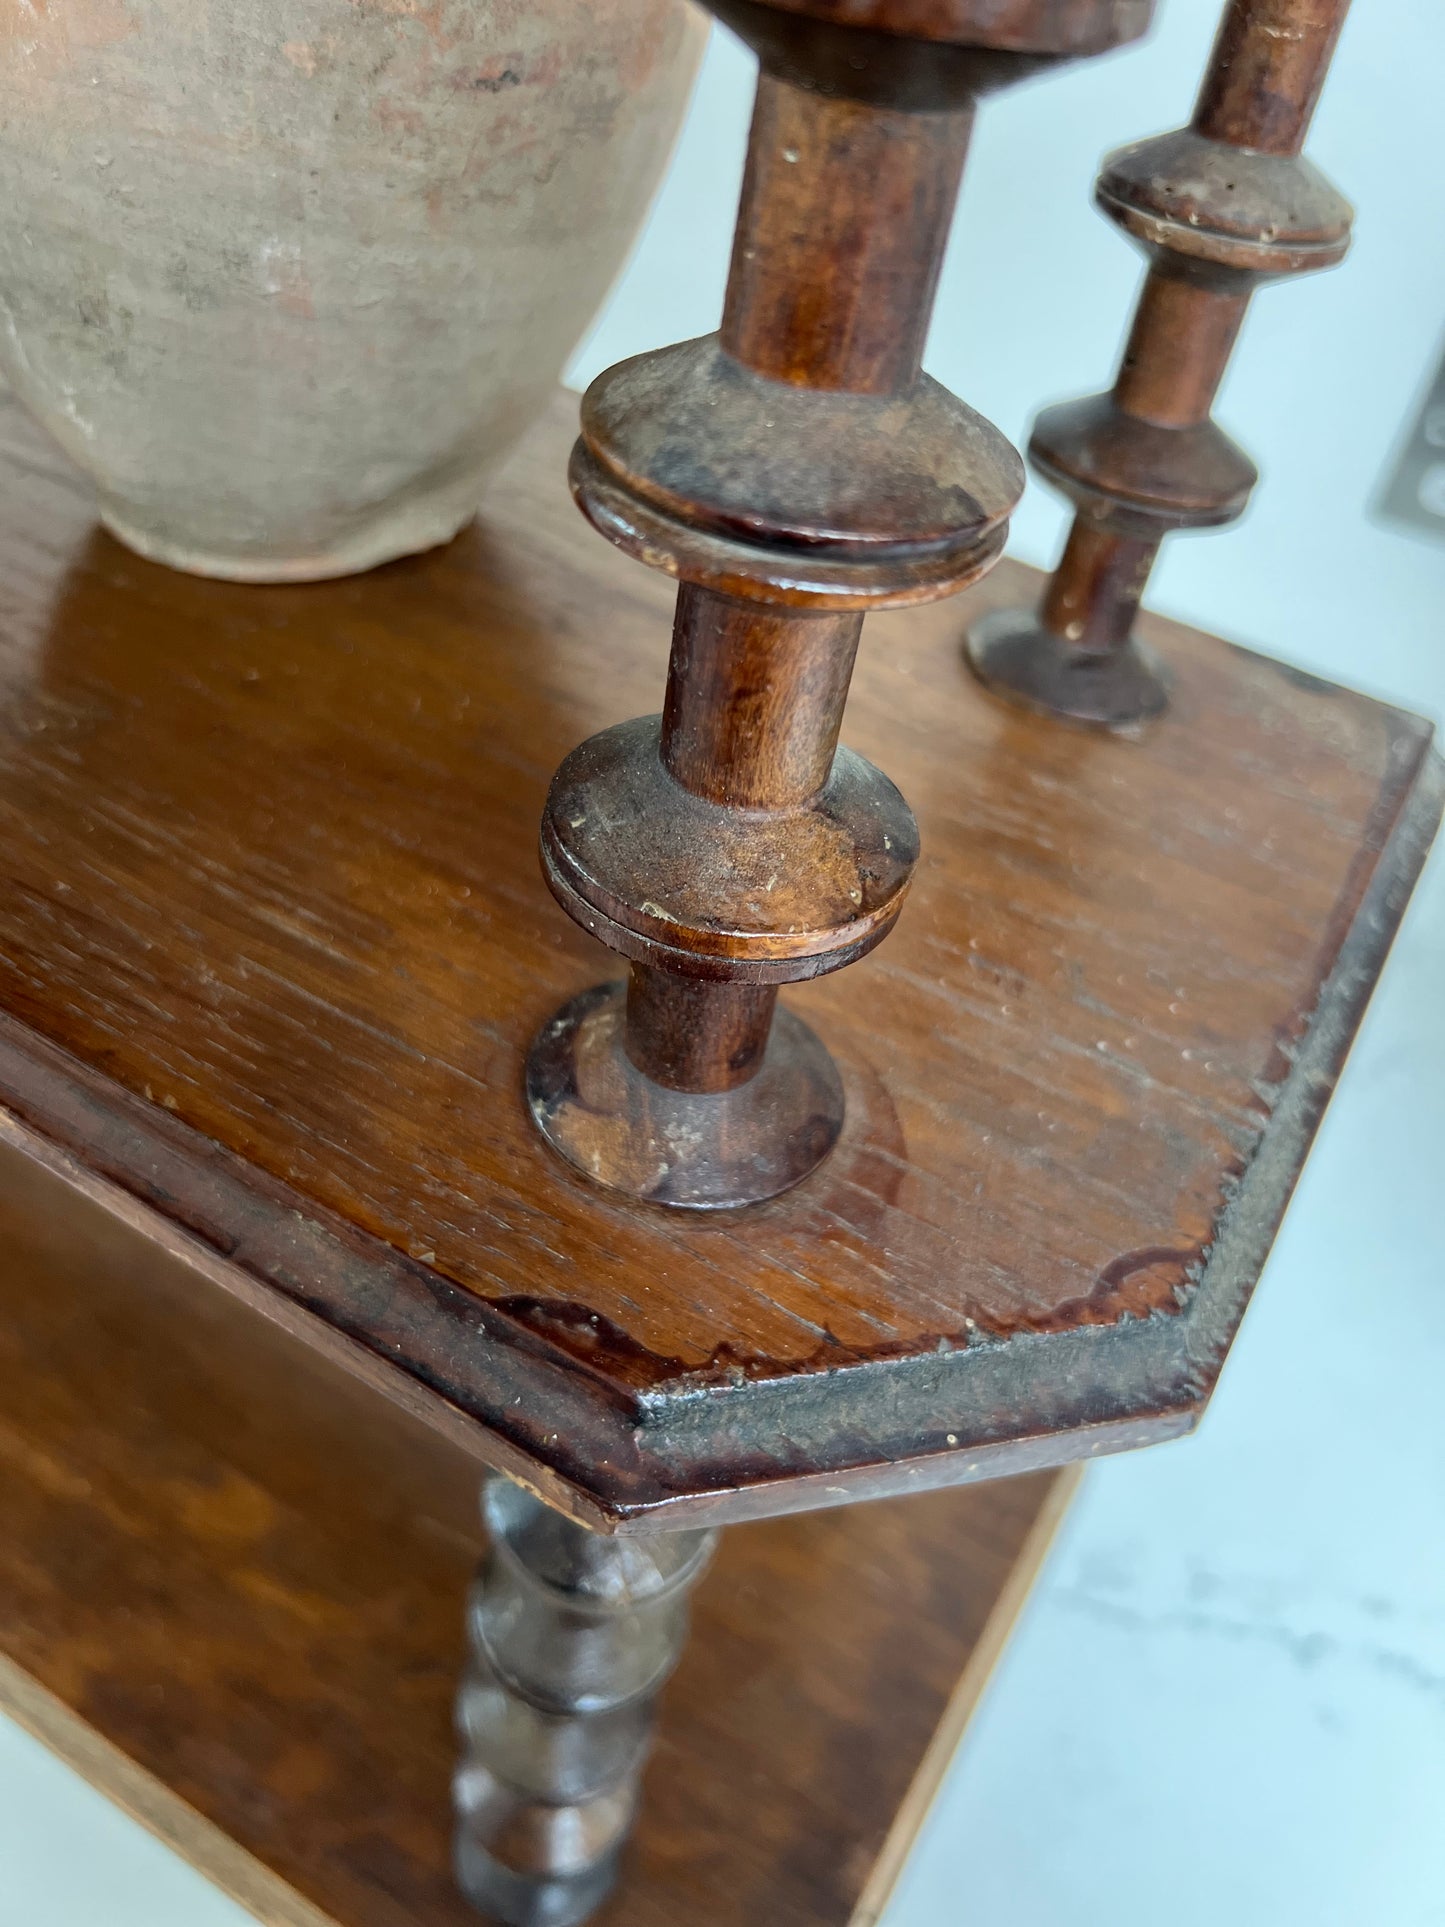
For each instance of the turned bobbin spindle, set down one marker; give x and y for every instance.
(1218, 207)
(792, 472)
(572, 1634)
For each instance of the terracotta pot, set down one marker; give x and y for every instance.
(287, 276)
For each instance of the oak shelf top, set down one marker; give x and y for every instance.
(274, 942)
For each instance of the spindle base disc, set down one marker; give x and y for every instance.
(1015, 656)
(694, 1150)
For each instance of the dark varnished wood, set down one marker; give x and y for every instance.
(754, 702)
(846, 209)
(670, 1043)
(1027, 26)
(1267, 71)
(221, 1559)
(273, 944)
(633, 1108)
(742, 847)
(1218, 207)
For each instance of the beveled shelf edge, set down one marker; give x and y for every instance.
(1245, 1230)
(514, 1401)
(251, 1236)
(291, 1262)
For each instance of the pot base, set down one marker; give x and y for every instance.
(423, 524)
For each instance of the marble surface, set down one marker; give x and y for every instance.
(1227, 1698)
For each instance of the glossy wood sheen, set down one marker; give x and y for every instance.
(223, 1560)
(846, 210)
(273, 945)
(1267, 70)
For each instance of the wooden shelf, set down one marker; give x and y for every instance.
(273, 944)
(231, 1592)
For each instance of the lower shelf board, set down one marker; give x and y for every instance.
(717, 1845)
(231, 1588)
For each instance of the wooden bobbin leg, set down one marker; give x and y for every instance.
(793, 471)
(1218, 207)
(572, 1634)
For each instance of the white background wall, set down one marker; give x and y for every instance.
(1227, 1702)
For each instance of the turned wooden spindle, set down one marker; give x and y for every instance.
(1219, 207)
(572, 1634)
(793, 471)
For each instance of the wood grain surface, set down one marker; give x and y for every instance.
(273, 944)
(231, 1593)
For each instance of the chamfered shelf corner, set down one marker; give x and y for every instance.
(274, 945)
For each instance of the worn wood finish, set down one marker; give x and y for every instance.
(846, 209)
(754, 702)
(231, 1593)
(740, 847)
(1218, 207)
(273, 944)
(694, 1036)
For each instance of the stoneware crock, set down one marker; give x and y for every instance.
(286, 277)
